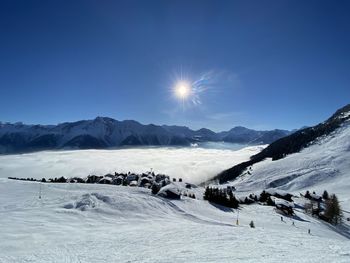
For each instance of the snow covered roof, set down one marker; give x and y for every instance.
(105, 179)
(133, 183)
(277, 191)
(146, 179)
(281, 202)
(170, 190)
(315, 196)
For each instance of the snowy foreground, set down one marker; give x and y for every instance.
(104, 223)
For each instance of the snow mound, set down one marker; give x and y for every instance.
(88, 201)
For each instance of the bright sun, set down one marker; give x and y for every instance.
(183, 90)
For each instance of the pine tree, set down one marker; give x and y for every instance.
(325, 195)
(233, 201)
(155, 188)
(307, 194)
(206, 194)
(333, 211)
(263, 196)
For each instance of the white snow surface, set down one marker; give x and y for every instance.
(325, 165)
(104, 223)
(194, 165)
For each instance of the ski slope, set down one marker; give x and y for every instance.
(103, 223)
(325, 165)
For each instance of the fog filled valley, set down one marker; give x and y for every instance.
(193, 164)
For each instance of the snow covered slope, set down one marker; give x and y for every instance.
(101, 223)
(292, 143)
(325, 165)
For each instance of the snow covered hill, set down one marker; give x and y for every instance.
(103, 223)
(105, 132)
(325, 165)
(292, 143)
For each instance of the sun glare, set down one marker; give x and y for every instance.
(183, 90)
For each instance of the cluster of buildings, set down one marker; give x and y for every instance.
(126, 179)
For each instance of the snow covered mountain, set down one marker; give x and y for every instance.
(243, 135)
(103, 132)
(316, 157)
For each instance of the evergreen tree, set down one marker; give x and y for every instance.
(333, 211)
(263, 196)
(325, 195)
(206, 194)
(155, 188)
(307, 194)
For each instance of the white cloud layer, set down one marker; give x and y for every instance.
(192, 164)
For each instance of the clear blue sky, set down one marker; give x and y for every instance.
(265, 64)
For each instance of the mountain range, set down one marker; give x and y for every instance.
(104, 132)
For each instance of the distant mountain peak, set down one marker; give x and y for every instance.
(104, 132)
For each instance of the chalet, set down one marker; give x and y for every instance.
(283, 205)
(160, 177)
(170, 191)
(110, 176)
(144, 181)
(133, 183)
(92, 179)
(118, 181)
(105, 180)
(132, 177)
(315, 197)
(76, 180)
(62, 179)
(279, 194)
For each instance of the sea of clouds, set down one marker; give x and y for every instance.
(192, 164)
